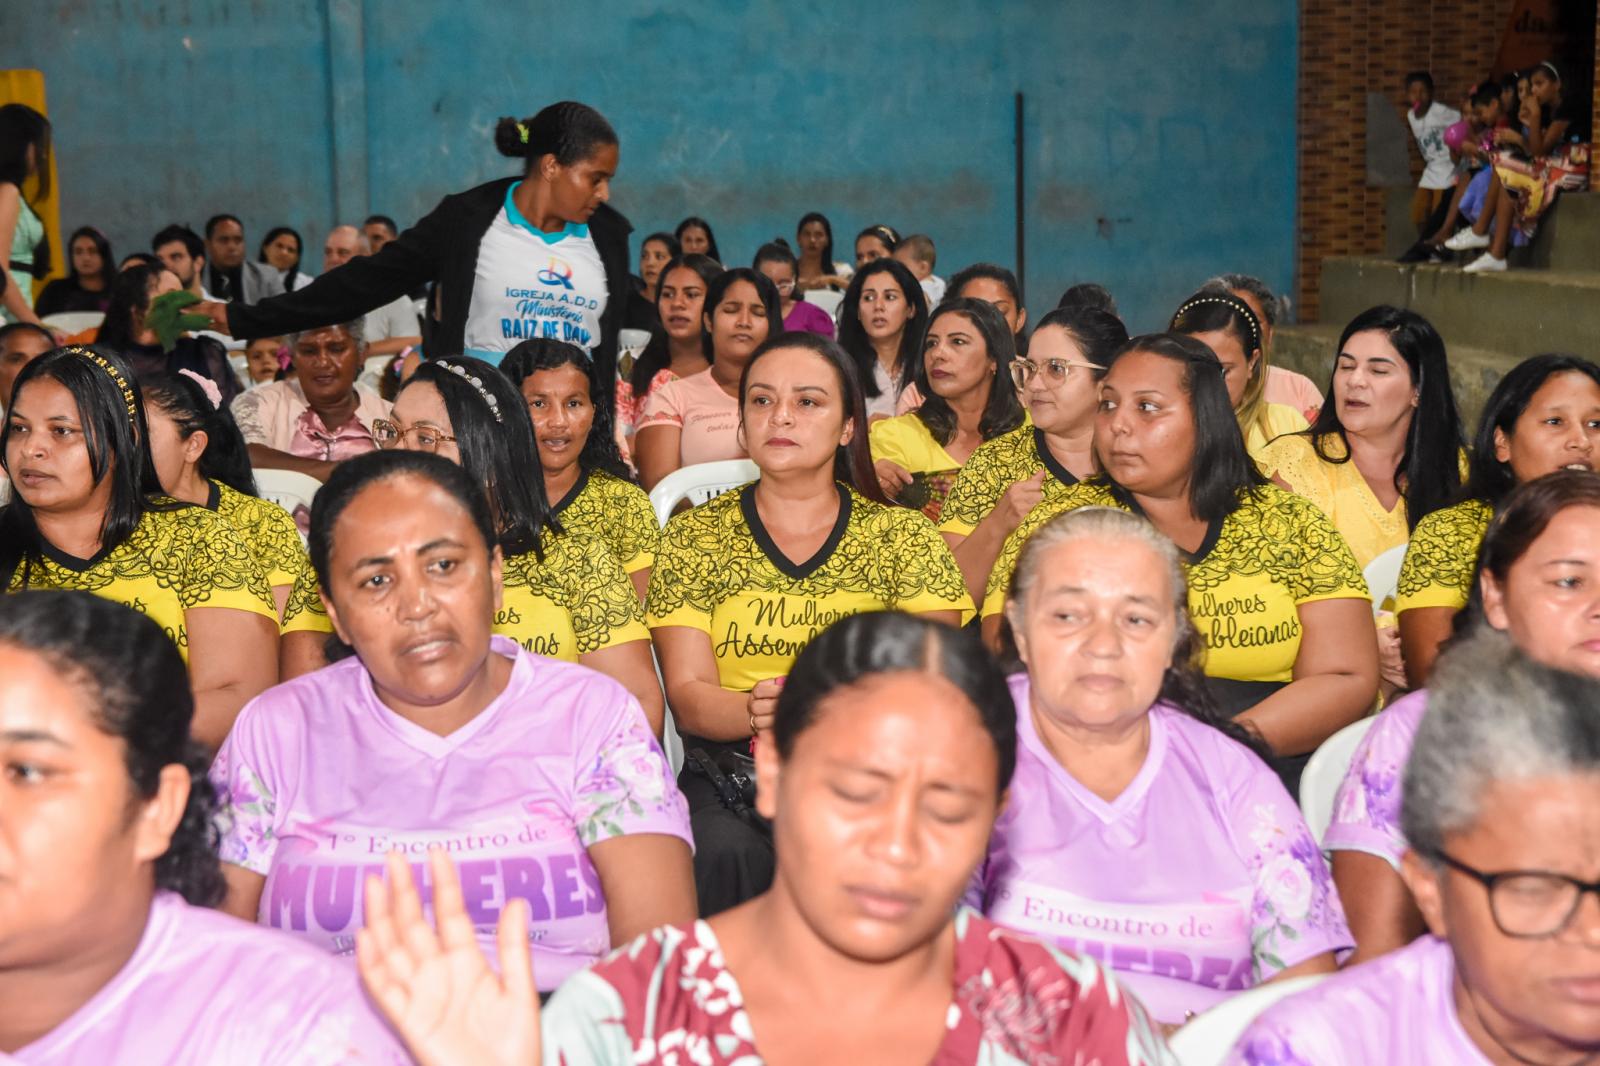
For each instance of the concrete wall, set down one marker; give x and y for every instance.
(1160, 134)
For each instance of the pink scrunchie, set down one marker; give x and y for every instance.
(207, 386)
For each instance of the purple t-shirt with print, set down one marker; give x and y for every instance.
(1201, 879)
(321, 781)
(1366, 810)
(1399, 1008)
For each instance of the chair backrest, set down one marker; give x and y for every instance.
(699, 483)
(826, 299)
(286, 488)
(1207, 1039)
(70, 322)
(1324, 773)
(372, 371)
(1383, 575)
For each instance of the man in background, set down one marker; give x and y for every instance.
(230, 275)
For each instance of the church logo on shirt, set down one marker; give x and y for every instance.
(559, 272)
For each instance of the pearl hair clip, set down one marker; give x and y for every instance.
(476, 382)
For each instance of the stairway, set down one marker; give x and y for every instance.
(1548, 301)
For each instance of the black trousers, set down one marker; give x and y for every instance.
(733, 861)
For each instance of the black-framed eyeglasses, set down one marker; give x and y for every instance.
(1528, 904)
(1056, 371)
(389, 435)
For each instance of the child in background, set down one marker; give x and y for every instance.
(264, 357)
(1429, 119)
(1486, 112)
(916, 252)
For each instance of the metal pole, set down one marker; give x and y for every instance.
(1022, 233)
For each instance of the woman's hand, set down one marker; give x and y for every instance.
(1022, 497)
(437, 990)
(892, 477)
(764, 703)
(1391, 665)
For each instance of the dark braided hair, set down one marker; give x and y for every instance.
(138, 691)
(568, 130)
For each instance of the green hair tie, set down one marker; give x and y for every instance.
(522, 132)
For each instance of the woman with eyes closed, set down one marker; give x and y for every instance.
(1538, 581)
(593, 495)
(1544, 416)
(677, 345)
(1141, 827)
(541, 776)
(1283, 612)
(882, 321)
(742, 582)
(965, 375)
(696, 419)
(563, 598)
(883, 773)
(1059, 381)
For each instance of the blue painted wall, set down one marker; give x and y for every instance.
(1160, 134)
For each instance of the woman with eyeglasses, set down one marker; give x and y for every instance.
(566, 597)
(1502, 814)
(777, 261)
(1059, 382)
(1538, 581)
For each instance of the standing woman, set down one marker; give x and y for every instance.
(110, 949)
(24, 154)
(542, 775)
(818, 268)
(1225, 324)
(742, 582)
(1059, 380)
(696, 419)
(563, 599)
(677, 347)
(593, 495)
(87, 512)
(1278, 598)
(87, 286)
(965, 375)
(1544, 416)
(1387, 452)
(882, 321)
(778, 263)
(201, 459)
(281, 249)
(875, 242)
(695, 238)
(512, 258)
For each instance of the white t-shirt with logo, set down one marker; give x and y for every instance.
(1438, 172)
(532, 284)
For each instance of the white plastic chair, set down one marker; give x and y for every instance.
(70, 322)
(699, 483)
(1207, 1039)
(826, 299)
(1383, 576)
(1325, 771)
(286, 488)
(371, 375)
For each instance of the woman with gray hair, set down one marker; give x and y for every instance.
(1538, 581)
(319, 417)
(1502, 811)
(1142, 829)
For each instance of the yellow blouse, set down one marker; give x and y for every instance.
(1275, 552)
(995, 467)
(905, 440)
(1442, 560)
(720, 572)
(267, 530)
(1341, 493)
(1280, 419)
(576, 601)
(616, 512)
(176, 560)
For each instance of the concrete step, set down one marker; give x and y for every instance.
(1474, 372)
(1568, 237)
(1520, 311)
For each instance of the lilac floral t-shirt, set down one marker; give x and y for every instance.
(202, 987)
(1399, 1008)
(1200, 880)
(321, 781)
(1366, 810)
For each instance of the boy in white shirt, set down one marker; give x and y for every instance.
(917, 254)
(1429, 119)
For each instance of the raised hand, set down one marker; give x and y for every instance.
(437, 989)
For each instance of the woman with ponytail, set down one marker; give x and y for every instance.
(111, 869)
(201, 458)
(538, 255)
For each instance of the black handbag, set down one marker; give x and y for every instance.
(733, 776)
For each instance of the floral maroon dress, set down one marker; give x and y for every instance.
(669, 999)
